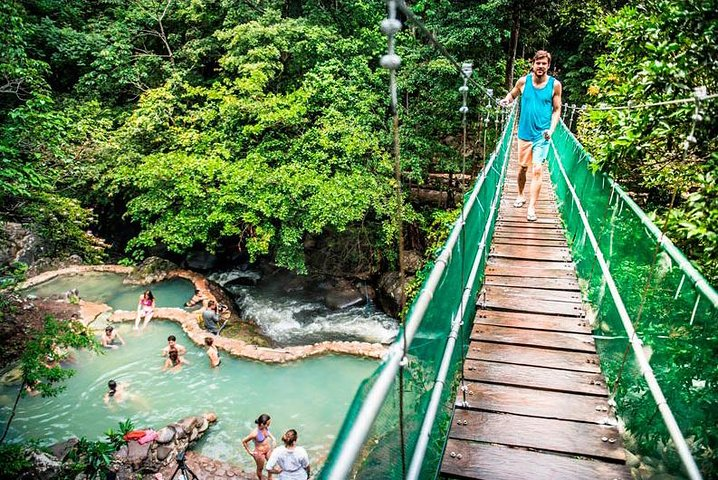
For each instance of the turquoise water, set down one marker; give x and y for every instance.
(311, 396)
(108, 288)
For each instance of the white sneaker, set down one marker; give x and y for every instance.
(519, 202)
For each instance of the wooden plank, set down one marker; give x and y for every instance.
(481, 461)
(547, 218)
(531, 252)
(535, 403)
(550, 272)
(533, 225)
(539, 242)
(560, 436)
(518, 264)
(530, 305)
(532, 356)
(576, 342)
(542, 234)
(535, 377)
(566, 284)
(535, 293)
(532, 321)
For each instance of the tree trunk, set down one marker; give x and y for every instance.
(12, 412)
(293, 8)
(513, 45)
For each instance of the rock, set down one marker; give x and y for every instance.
(44, 465)
(201, 261)
(165, 435)
(203, 425)
(153, 269)
(75, 260)
(390, 291)
(179, 431)
(12, 377)
(188, 424)
(413, 261)
(137, 453)
(193, 435)
(339, 299)
(238, 276)
(211, 417)
(163, 452)
(121, 454)
(61, 449)
(18, 244)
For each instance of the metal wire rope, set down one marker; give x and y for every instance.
(390, 26)
(414, 19)
(701, 95)
(690, 140)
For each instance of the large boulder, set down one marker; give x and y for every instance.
(344, 298)
(44, 465)
(390, 292)
(153, 269)
(18, 244)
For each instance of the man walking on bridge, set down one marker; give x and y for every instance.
(540, 112)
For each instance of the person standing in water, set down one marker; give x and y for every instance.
(540, 114)
(109, 337)
(172, 344)
(264, 442)
(290, 461)
(174, 361)
(145, 308)
(212, 352)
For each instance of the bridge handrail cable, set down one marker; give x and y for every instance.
(679, 440)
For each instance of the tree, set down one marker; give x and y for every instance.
(655, 52)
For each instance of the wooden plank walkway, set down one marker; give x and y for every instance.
(537, 401)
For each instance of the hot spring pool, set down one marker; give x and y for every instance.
(311, 395)
(103, 287)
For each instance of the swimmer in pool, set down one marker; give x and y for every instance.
(174, 361)
(111, 337)
(172, 343)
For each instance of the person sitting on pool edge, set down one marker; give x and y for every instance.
(197, 299)
(172, 344)
(110, 336)
(212, 352)
(145, 308)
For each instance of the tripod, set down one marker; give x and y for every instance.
(187, 473)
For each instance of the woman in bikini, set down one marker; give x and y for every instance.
(264, 441)
(145, 308)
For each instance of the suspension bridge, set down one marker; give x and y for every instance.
(525, 354)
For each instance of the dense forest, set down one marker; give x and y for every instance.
(262, 127)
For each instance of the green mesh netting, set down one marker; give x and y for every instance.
(381, 454)
(676, 320)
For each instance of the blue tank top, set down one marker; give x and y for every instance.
(536, 109)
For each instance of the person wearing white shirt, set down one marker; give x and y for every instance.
(289, 461)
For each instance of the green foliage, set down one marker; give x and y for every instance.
(654, 52)
(14, 460)
(40, 361)
(116, 438)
